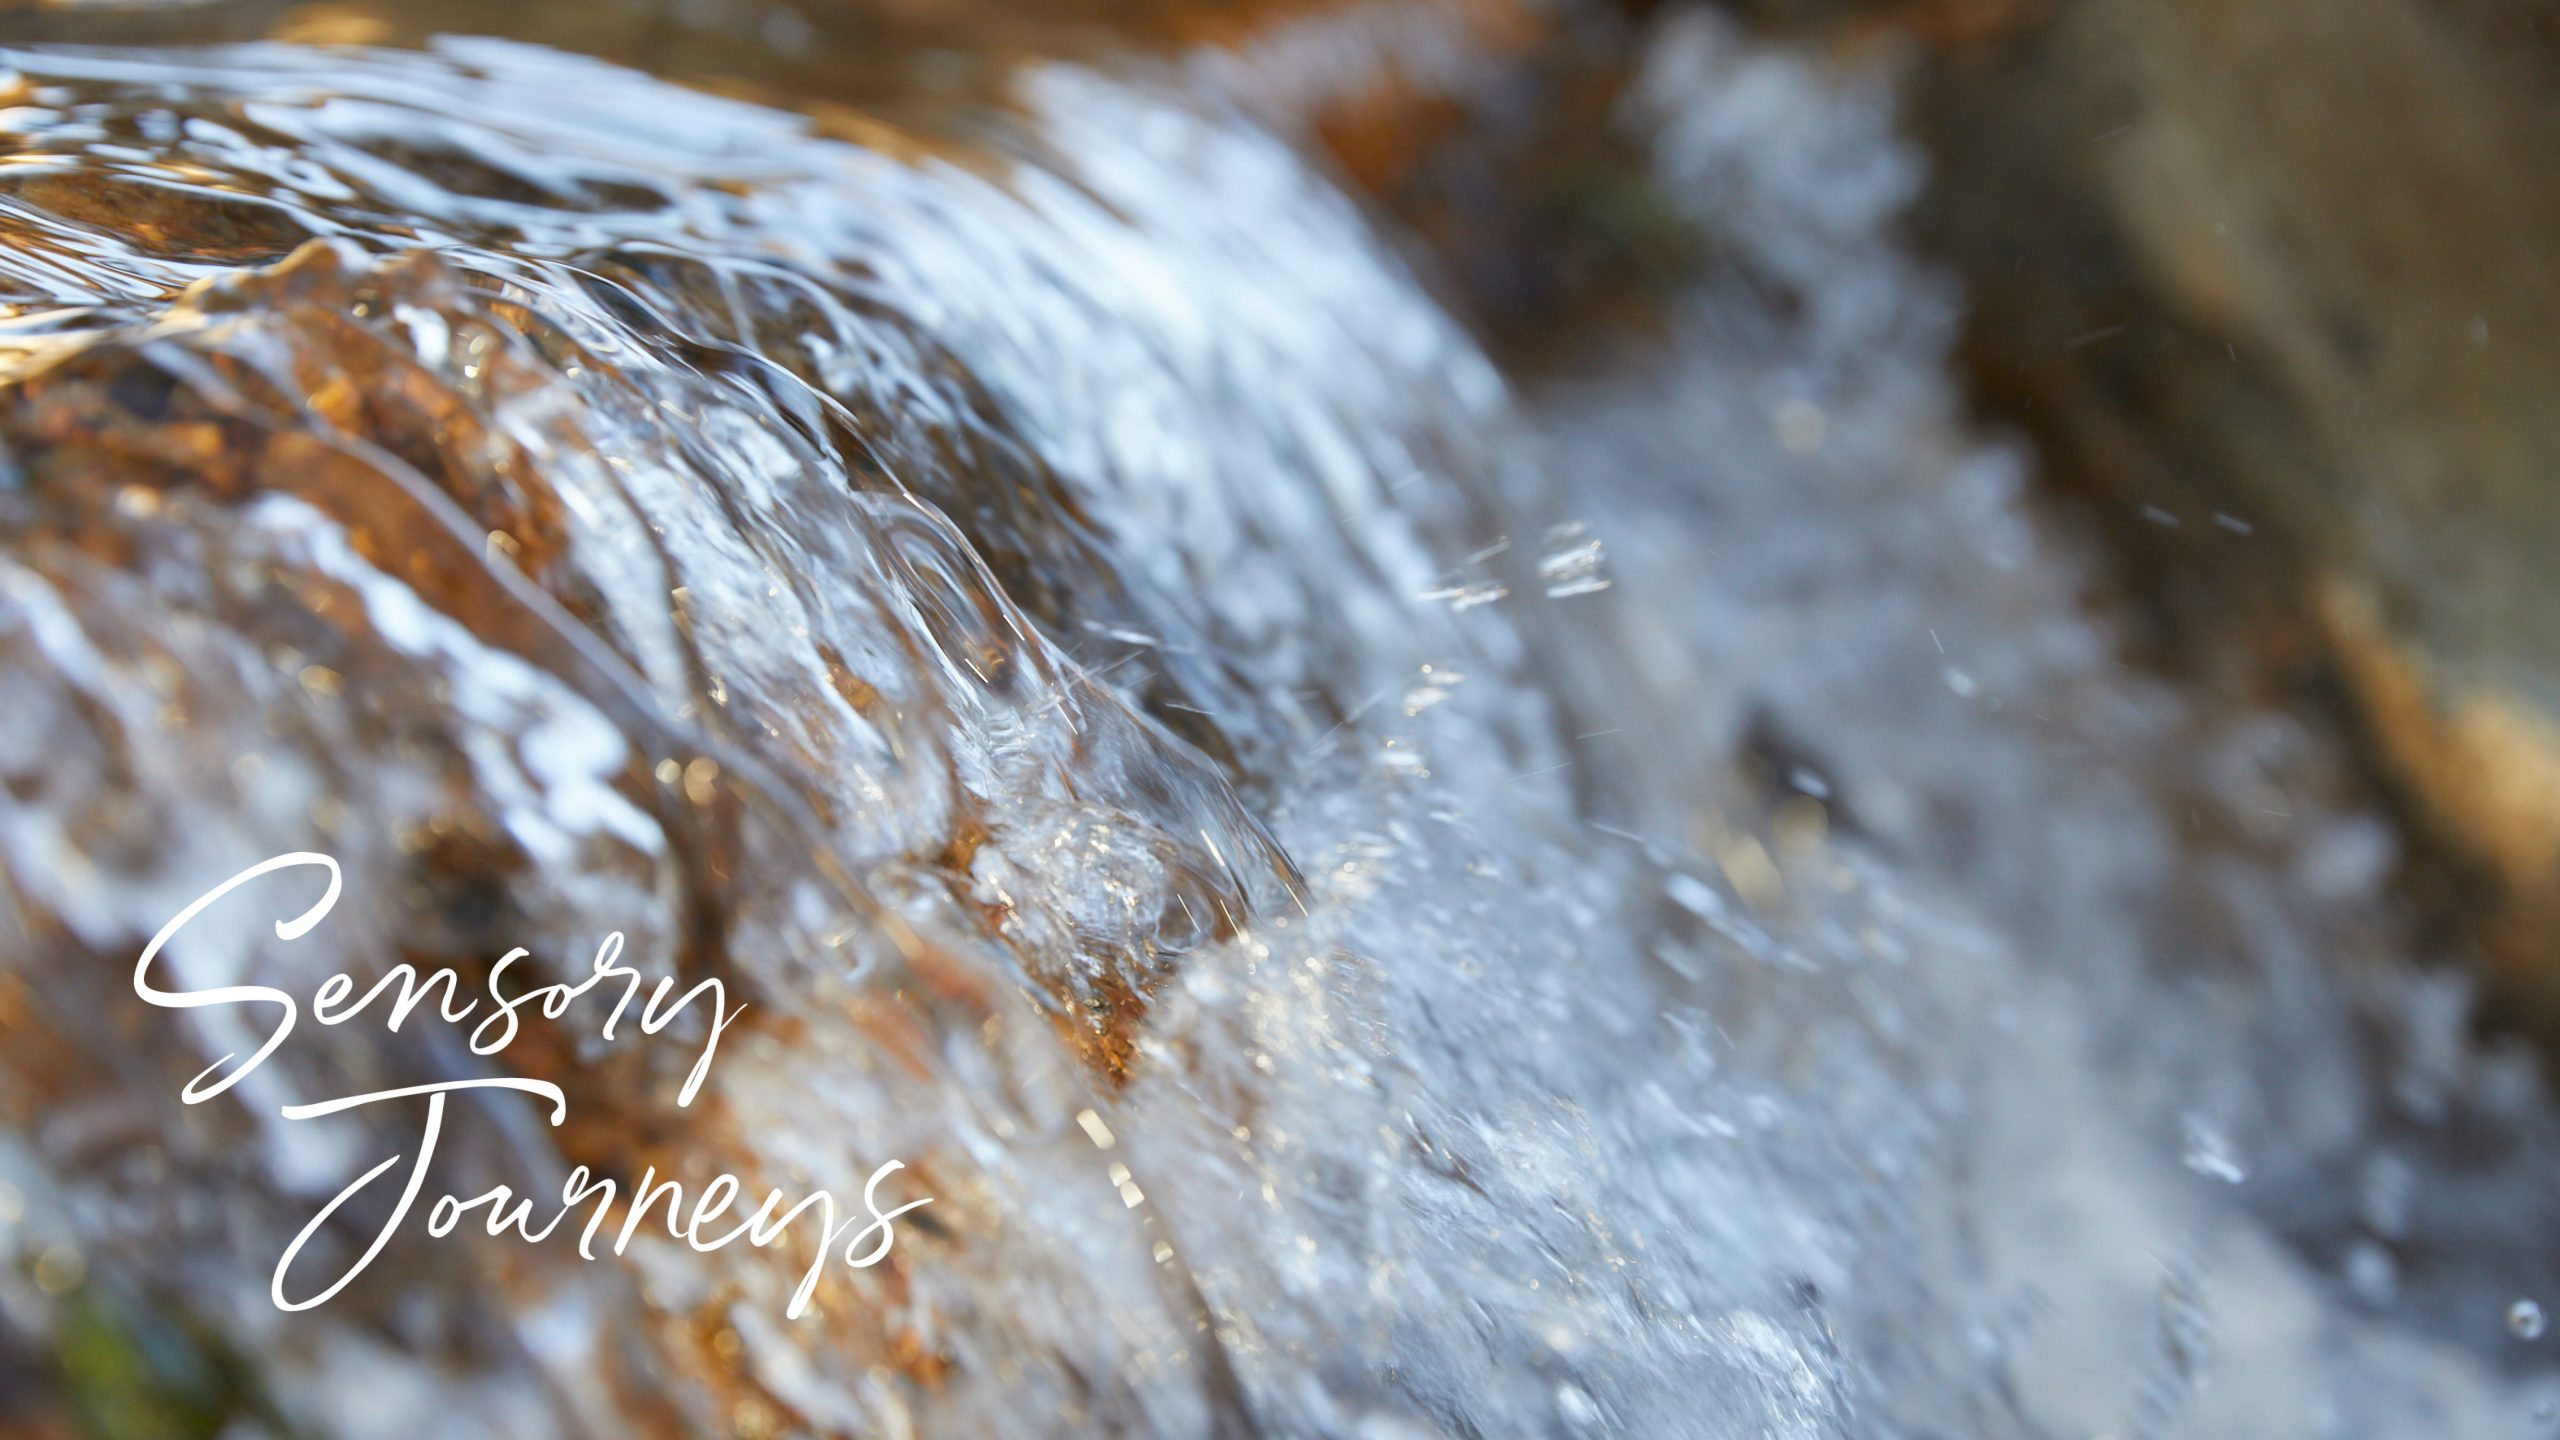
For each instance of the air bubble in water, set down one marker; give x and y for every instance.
(2372, 1274)
(2525, 1320)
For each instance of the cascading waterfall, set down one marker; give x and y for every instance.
(1051, 614)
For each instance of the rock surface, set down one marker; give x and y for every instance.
(2271, 286)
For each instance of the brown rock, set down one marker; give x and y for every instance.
(2271, 286)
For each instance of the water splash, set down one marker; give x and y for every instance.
(582, 506)
(1006, 598)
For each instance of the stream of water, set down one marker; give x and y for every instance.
(1378, 902)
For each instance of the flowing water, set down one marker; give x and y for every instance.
(1376, 903)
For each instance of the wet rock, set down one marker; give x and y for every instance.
(2269, 286)
(636, 512)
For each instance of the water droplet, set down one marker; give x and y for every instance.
(2525, 1320)
(1467, 596)
(2209, 1153)
(1572, 564)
